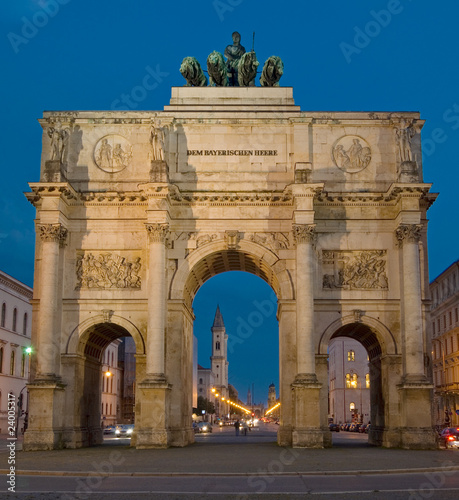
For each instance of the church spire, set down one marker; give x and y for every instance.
(218, 320)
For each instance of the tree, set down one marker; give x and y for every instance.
(205, 404)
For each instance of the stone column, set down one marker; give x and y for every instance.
(307, 430)
(153, 393)
(408, 236)
(53, 237)
(415, 391)
(156, 301)
(305, 237)
(46, 392)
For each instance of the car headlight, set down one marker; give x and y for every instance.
(117, 431)
(204, 428)
(130, 431)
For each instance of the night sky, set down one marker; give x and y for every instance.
(389, 55)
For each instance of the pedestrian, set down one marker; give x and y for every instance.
(245, 430)
(236, 426)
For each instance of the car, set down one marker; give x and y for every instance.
(334, 427)
(362, 428)
(449, 437)
(124, 430)
(110, 429)
(203, 427)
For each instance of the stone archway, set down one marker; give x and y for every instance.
(321, 206)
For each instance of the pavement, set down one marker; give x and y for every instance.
(224, 457)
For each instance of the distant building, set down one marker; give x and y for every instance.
(112, 378)
(126, 363)
(216, 377)
(272, 401)
(349, 381)
(15, 334)
(444, 291)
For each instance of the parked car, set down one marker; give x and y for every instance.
(367, 428)
(334, 427)
(110, 429)
(203, 427)
(124, 430)
(362, 428)
(449, 437)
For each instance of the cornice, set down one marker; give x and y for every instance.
(12, 284)
(388, 198)
(41, 190)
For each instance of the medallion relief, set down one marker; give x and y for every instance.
(113, 153)
(107, 270)
(354, 270)
(351, 153)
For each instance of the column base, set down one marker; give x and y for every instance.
(152, 421)
(46, 407)
(181, 437)
(284, 435)
(307, 431)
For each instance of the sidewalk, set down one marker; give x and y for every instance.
(242, 458)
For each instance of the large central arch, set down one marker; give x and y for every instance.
(201, 265)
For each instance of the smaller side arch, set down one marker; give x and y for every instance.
(386, 340)
(81, 333)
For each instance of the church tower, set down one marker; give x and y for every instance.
(219, 358)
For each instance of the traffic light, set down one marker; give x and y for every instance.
(253, 414)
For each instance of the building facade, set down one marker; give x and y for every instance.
(445, 345)
(112, 380)
(349, 382)
(135, 210)
(15, 338)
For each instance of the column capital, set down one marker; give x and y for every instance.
(304, 233)
(409, 233)
(157, 232)
(53, 232)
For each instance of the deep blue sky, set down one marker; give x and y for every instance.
(89, 53)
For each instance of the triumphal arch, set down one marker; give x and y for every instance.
(135, 210)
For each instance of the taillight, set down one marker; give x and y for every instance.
(451, 438)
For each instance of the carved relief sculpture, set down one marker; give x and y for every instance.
(351, 154)
(273, 241)
(354, 270)
(107, 270)
(113, 153)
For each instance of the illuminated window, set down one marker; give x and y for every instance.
(354, 381)
(348, 380)
(352, 407)
(367, 380)
(351, 355)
